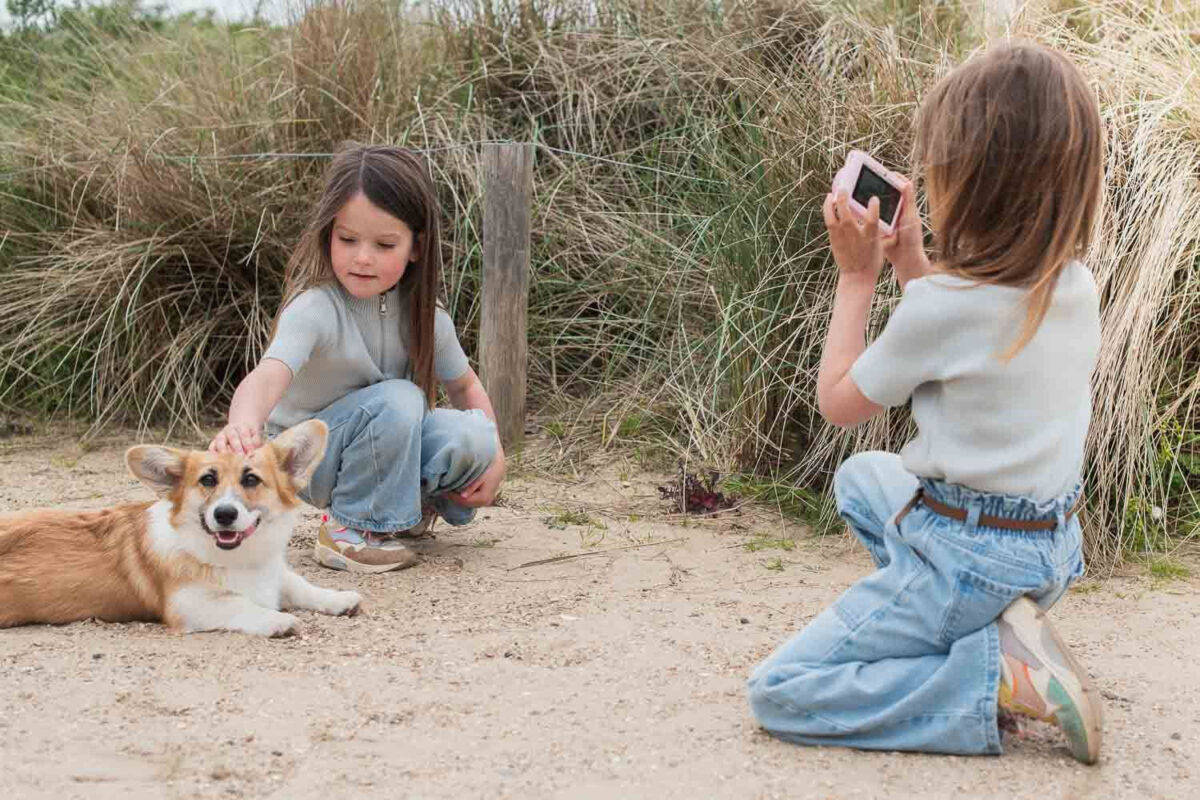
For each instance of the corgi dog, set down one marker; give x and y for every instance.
(209, 554)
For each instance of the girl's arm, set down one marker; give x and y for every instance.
(466, 392)
(252, 402)
(858, 250)
(838, 397)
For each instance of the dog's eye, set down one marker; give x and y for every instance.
(250, 481)
(208, 479)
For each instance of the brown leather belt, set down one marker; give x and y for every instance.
(986, 520)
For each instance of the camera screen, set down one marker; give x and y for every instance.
(871, 185)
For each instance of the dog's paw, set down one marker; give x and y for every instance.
(277, 625)
(342, 604)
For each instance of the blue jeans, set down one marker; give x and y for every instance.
(908, 658)
(387, 454)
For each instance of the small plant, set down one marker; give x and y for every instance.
(630, 427)
(565, 519)
(692, 495)
(1168, 569)
(795, 502)
(768, 543)
(555, 429)
(592, 537)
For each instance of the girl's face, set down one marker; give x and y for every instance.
(369, 248)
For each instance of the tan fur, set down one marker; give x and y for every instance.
(64, 566)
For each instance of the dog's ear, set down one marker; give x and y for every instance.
(300, 449)
(160, 468)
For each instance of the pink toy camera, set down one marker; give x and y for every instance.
(862, 178)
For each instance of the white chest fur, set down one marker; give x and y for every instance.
(262, 584)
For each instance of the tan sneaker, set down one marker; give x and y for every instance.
(353, 550)
(1040, 678)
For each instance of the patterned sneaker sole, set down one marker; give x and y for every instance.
(328, 557)
(1079, 713)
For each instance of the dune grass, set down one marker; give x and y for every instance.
(154, 175)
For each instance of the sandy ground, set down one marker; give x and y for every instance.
(615, 675)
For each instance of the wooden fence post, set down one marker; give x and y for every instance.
(503, 342)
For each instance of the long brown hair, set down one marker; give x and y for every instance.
(1012, 150)
(397, 181)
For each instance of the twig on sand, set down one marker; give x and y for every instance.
(557, 559)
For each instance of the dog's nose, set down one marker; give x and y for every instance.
(225, 515)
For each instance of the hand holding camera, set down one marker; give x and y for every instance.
(871, 215)
(863, 178)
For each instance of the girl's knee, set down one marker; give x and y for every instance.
(756, 696)
(475, 437)
(772, 704)
(398, 402)
(848, 478)
(860, 471)
(459, 442)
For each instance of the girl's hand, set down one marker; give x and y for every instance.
(256, 395)
(240, 439)
(857, 246)
(483, 491)
(906, 248)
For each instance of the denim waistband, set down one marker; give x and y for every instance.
(1000, 505)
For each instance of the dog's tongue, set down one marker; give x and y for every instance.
(229, 538)
(233, 538)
